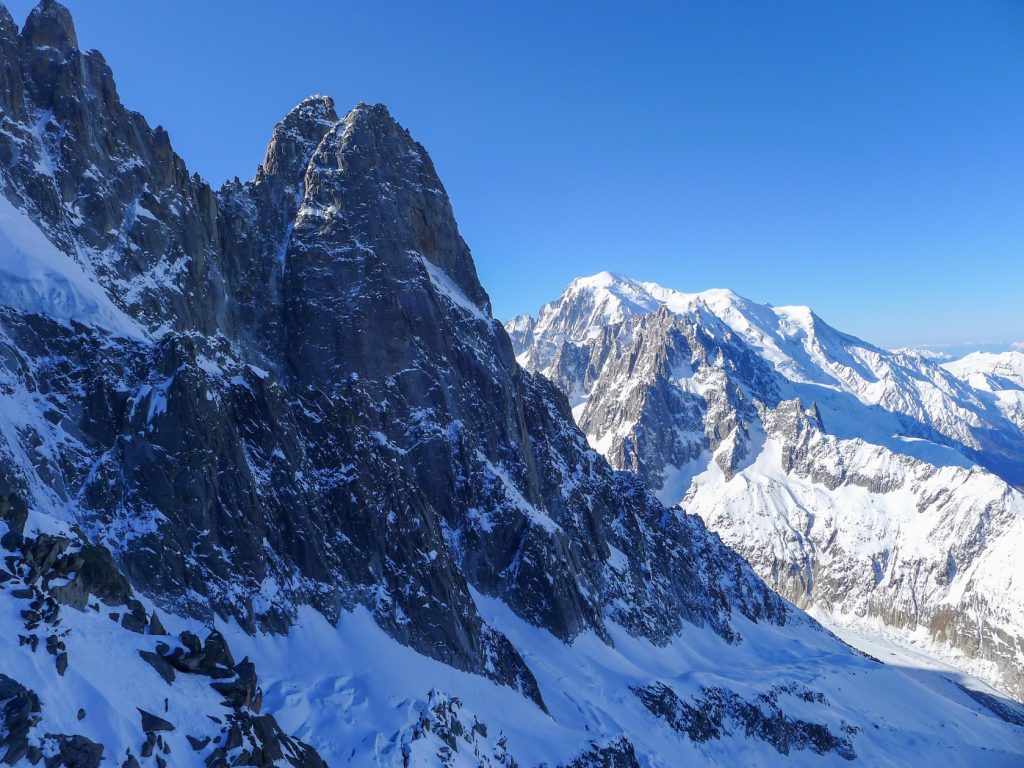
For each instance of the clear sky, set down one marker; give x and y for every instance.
(865, 158)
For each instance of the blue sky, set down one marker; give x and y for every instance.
(865, 158)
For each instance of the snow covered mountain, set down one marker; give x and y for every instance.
(999, 375)
(275, 492)
(876, 487)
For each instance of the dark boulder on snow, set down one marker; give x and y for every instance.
(18, 715)
(241, 691)
(160, 664)
(152, 723)
(71, 752)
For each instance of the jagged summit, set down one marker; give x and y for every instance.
(316, 103)
(300, 132)
(296, 136)
(49, 25)
(792, 337)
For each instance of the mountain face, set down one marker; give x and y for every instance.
(876, 487)
(999, 376)
(275, 490)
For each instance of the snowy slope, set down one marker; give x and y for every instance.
(36, 277)
(589, 686)
(1000, 374)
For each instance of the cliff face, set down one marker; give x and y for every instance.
(286, 402)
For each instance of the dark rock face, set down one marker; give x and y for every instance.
(103, 182)
(615, 754)
(322, 410)
(372, 263)
(256, 222)
(720, 712)
(20, 713)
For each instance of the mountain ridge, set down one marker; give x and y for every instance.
(322, 448)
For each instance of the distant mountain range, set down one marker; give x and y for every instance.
(947, 352)
(872, 485)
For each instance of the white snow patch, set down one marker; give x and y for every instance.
(36, 277)
(450, 290)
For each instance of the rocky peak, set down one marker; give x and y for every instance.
(11, 86)
(296, 137)
(8, 26)
(49, 25)
(372, 190)
(520, 331)
(103, 185)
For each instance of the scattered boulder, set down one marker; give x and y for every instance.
(152, 724)
(265, 746)
(84, 571)
(240, 692)
(160, 664)
(212, 659)
(92, 571)
(156, 627)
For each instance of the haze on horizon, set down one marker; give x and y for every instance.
(861, 158)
